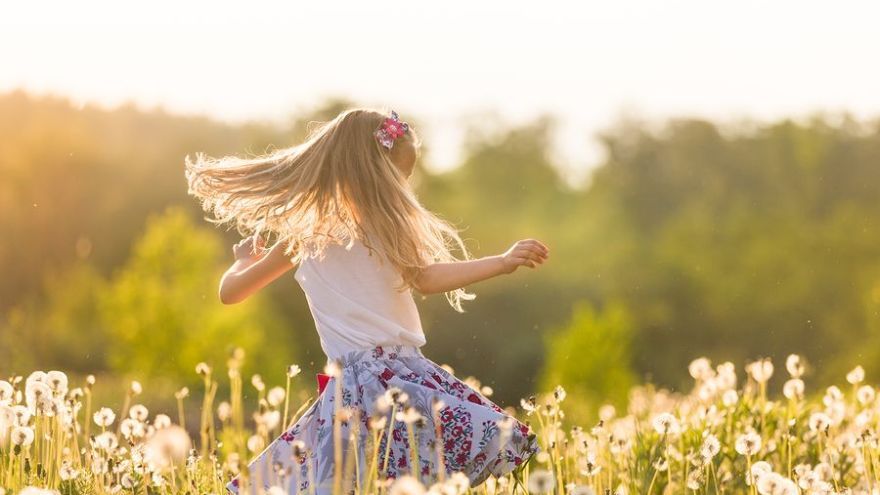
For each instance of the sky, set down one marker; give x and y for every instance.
(490, 61)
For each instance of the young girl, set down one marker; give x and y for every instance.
(341, 208)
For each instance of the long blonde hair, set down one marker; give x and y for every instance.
(341, 183)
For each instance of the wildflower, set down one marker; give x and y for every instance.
(856, 376)
(701, 369)
(293, 370)
(407, 485)
(819, 422)
(710, 448)
(865, 395)
(529, 406)
(559, 394)
(22, 436)
(67, 472)
(695, 479)
(57, 381)
(138, 412)
(409, 415)
(581, 490)
(730, 398)
(661, 464)
(38, 395)
(793, 389)
(377, 423)
(104, 417)
(203, 369)
(161, 421)
(541, 481)
(224, 411)
(760, 370)
(748, 444)
(759, 469)
(257, 382)
(168, 445)
(666, 424)
(607, 412)
(182, 393)
(105, 441)
(395, 395)
(275, 396)
(6, 392)
(795, 366)
(255, 443)
(135, 388)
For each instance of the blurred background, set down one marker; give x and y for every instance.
(707, 177)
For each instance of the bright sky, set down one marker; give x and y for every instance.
(585, 62)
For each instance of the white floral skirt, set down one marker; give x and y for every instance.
(478, 437)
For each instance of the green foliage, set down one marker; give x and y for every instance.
(163, 310)
(591, 358)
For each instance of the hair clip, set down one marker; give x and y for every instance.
(391, 129)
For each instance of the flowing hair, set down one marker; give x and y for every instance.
(339, 184)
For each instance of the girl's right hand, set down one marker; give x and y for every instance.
(528, 252)
(249, 249)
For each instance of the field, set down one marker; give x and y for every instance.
(729, 434)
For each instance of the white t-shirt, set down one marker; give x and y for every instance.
(355, 303)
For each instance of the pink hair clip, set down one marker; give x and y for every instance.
(391, 129)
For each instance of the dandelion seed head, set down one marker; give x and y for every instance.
(794, 365)
(793, 389)
(856, 376)
(293, 370)
(276, 396)
(407, 485)
(541, 481)
(748, 444)
(104, 417)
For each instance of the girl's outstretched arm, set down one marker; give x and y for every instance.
(253, 269)
(444, 277)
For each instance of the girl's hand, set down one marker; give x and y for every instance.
(528, 252)
(249, 249)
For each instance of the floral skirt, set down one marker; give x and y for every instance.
(477, 437)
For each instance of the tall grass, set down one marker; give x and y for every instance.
(724, 436)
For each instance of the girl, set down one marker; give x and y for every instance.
(341, 209)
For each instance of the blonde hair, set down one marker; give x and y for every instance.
(341, 183)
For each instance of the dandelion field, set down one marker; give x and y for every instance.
(729, 434)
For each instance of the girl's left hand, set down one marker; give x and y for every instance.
(249, 249)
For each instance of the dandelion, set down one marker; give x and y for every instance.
(793, 389)
(276, 396)
(378, 423)
(559, 394)
(407, 485)
(701, 369)
(730, 398)
(138, 412)
(748, 444)
(333, 369)
(541, 481)
(530, 405)
(865, 395)
(760, 370)
(757, 470)
(666, 424)
(257, 382)
(168, 445)
(135, 388)
(293, 370)
(67, 472)
(710, 448)
(203, 369)
(409, 415)
(856, 376)
(795, 366)
(224, 411)
(255, 443)
(182, 393)
(57, 381)
(104, 417)
(38, 395)
(819, 422)
(161, 421)
(22, 436)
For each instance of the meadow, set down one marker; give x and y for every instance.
(728, 434)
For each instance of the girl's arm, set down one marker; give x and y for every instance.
(444, 277)
(253, 269)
